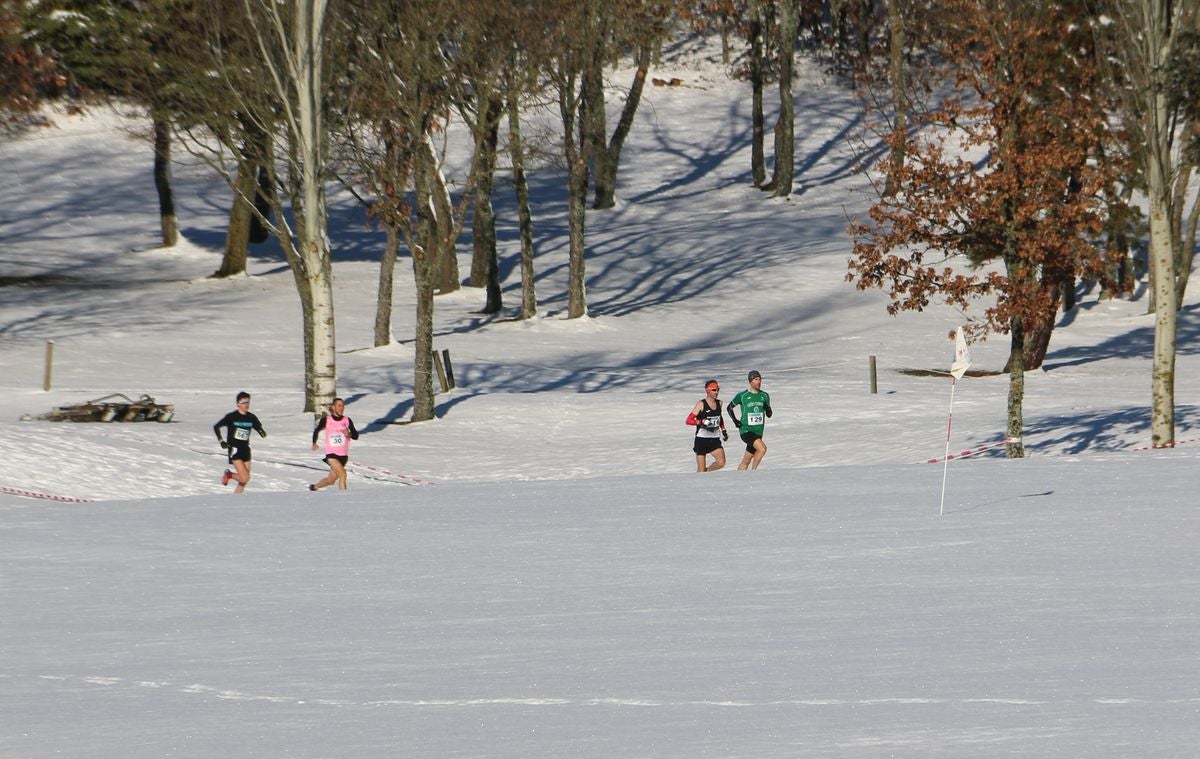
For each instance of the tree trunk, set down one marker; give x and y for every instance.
(315, 282)
(1186, 231)
(424, 275)
(1159, 35)
(1014, 445)
(308, 40)
(608, 156)
(485, 263)
(758, 161)
(162, 182)
(483, 217)
(1041, 328)
(264, 202)
(575, 145)
(1189, 251)
(577, 181)
(725, 49)
(1162, 264)
(838, 17)
(593, 116)
(1120, 271)
(383, 303)
(1020, 278)
(237, 234)
(785, 131)
(296, 265)
(862, 31)
(444, 240)
(525, 218)
(1069, 299)
(423, 400)
(898, 78)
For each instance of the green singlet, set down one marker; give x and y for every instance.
(753, 405)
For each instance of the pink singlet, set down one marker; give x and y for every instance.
(337, 435)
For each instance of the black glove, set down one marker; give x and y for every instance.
(724, 435)
(262, 433)
(768, 410)
(224, 445)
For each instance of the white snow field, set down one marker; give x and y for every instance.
(539, 572)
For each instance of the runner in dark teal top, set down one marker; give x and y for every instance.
(237, 426)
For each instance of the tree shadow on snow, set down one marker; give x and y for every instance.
(1102, 430)
(1136, 343)
(398, 414)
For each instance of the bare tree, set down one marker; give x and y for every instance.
(408, 74)
(783, 176)
(480, 47)
(571, 72)
(1144, 40)
(758, 46)
(517, 75)
(898, 80)
(279, 84)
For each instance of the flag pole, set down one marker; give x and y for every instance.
(946, 458)
(962, 360)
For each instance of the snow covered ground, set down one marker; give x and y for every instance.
(567, 586)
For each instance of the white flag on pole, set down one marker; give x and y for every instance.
(962, 361)
(962, 356)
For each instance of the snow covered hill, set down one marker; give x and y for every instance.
(559, 582)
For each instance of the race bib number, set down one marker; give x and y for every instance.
(712, 422)
(241, 433)
(337, 440)
(755, 419)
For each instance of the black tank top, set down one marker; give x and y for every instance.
(710, 419)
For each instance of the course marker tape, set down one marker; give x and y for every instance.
(1168, 447)
(964, 454)
(44, 496)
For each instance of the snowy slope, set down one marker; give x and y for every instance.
(566, 586)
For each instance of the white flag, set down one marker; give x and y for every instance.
(962, 356)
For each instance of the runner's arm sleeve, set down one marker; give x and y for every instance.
(217, 430)
(691, 420)
(258, 426)
(317, 430)
(767, 408)
(729, 410)
(353, 431)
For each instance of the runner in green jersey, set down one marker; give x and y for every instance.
(756, 409)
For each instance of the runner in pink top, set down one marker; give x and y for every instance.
(339, 431)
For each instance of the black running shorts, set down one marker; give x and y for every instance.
(705, 445)
(748, 438)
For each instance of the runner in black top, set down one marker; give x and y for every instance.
(710, 429)
(237, 426)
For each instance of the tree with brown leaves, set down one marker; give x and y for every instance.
(997, 201)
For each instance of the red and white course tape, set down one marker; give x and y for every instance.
(44, 496)
(964, 454)
(1168, 447)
